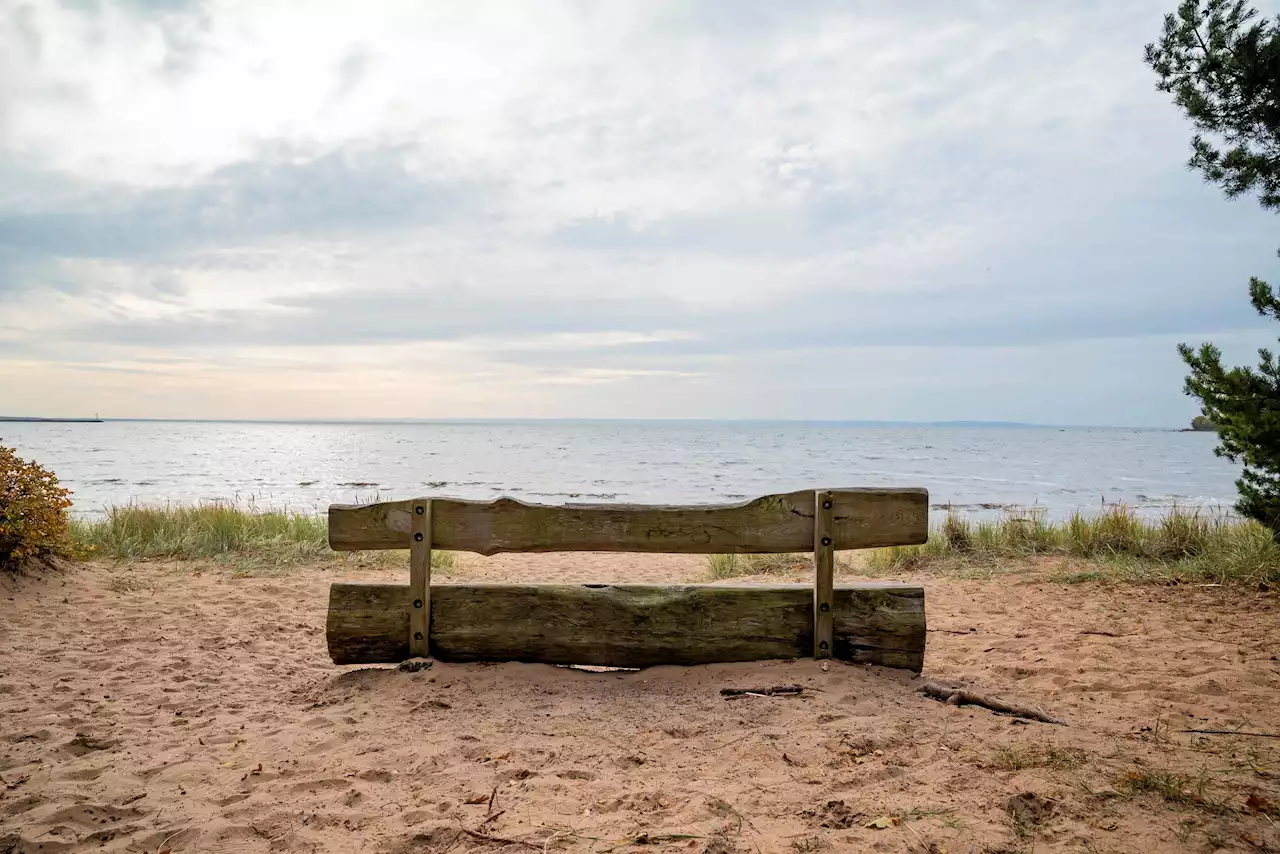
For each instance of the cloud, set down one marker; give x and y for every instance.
(351, 71)
(694, 194)
(279, 194)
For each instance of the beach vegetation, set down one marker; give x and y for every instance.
(217, 530)
(1220, 60)
(33, 512)
(1117, 543)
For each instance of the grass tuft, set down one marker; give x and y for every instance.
(210, 531)
(1175, 788)
(1182, 545)
(736, 566)
(1019, 757)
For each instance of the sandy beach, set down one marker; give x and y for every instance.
(180, 708)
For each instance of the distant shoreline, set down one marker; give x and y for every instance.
(13, 418)
(761, 422)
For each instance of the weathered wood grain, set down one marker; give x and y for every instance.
(628, 625)
(420, 579)
(824, 565)
(862, 518)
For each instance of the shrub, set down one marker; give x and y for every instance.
(33, 511)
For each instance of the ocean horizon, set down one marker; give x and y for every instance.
(574, 420)
(982, 469)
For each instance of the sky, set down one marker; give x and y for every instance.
(633, 209)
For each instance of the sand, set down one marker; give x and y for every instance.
(155, 708)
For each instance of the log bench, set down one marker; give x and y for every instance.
(632, 625)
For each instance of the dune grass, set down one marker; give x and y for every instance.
(215, 531)
(1117, 543)
(735, 566)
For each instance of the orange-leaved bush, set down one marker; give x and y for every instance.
(33, 511)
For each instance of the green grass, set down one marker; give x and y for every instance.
(1181, 545)
(734, 566)
(1173, 787)
(213, 531)
(1018, 757)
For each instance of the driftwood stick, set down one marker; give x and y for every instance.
(1234, 732)
(767, 692)
(499, 840)
(959, 697)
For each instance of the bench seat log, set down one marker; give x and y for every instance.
(629, 625)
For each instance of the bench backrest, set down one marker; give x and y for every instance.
(861, 518)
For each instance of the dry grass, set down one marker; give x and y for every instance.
(215, 531)
(735, 566)
(1174, 787)
(1019, 757)
(1182, 545)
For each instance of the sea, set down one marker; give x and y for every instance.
(975, 469)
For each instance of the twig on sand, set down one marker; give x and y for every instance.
(732, 742)
(546, 846)
(645, 838)
(499, 840)
(762, 692)
(1234, 732)
(163, 847)
(493, 816)
(959, 696)
(492, 795)
(908, 826)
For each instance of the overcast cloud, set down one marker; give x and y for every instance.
(926, 211)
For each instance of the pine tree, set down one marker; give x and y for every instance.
(1220, 60)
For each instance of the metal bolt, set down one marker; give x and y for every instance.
(418, 636)
(826, 541)
(417, 538)
(826, 505)
(822, 646)
(419, 510)
(417, 603)
(824, 607)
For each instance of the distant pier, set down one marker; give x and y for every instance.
(52, 420)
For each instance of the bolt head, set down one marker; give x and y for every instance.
(419, 510)
(417, 635)
(417, 603)
(826, 541)
(417, 538)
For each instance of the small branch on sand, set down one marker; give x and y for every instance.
(959, 697)
(644, 838)
(493, 816)
(1234, 732)
(762, 692)
(499, 840)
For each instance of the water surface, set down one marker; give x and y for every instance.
(308, 466)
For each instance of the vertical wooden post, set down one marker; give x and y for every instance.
(824, 573)
(420, 580)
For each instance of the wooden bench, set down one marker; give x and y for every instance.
(632, 625)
